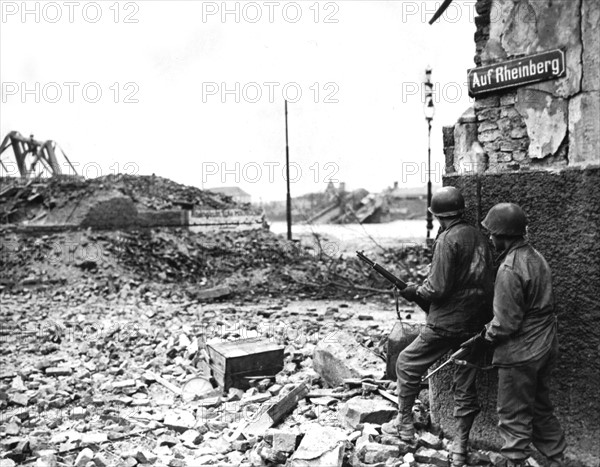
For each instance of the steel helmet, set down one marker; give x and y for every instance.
(447, 202)
(506, 219)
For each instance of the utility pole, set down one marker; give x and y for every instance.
(429, 110)
(287, 176)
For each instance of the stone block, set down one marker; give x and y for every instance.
(59, 371)
(180, 421)
(93, 437)
(101, 460)
(144, 456)
(489, 114)
(508, 99)
(487, 102)
(509, 112)
(519, 156)
(509, 145)
(78, 413)
(504, 124)
(432, 456)
(490, 135)
(84, 456)
(359, 410)
(19, 399)
(343, 358)
(321, 446)
(372, 453)
(284, 441)
(486, 126)
(167, 440)
(191, 438)
(395, 441)
(518, 132)
(429, 440)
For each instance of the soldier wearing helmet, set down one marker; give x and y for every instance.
(459, 287)
(523, 332)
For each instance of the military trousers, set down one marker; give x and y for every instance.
(525, 412)
(429, 346)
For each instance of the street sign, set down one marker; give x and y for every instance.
(532, 69)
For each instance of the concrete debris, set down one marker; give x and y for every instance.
(321, 446)
(429, 440)
(214, 292)
(432, 456)
(373, 453)
(359, 410)
(84, 456)
(342, 358)
(284, 441)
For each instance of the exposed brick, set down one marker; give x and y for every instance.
(489, 114)
(518, 132)
(508, 99)
(488, 126)
(519, 156)
(491, 135)
(509, 146)
(504, 124)
(487, 102)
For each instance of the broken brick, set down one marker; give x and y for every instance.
(284, 441)
(360, 410)
(432, 456)
(373, 453)
(84, 456)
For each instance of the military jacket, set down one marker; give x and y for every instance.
(524, 323)
(460, 281)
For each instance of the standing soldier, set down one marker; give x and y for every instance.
(523, 332)
(459, 287)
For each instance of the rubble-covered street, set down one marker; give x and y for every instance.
(111, 382)
(111, 341)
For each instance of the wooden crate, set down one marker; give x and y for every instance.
(233, 362)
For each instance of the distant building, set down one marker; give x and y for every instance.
(236, 193)
(406, 192)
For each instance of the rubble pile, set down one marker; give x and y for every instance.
(249, 263)
(22, 202)
(101, 384)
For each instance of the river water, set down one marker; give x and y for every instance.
(349, 237)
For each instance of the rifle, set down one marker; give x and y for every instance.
(396, 281)
(457, 357)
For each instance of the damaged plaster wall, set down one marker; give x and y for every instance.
(542, 125)
(541, 149)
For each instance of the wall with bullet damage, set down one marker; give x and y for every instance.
(539, 146)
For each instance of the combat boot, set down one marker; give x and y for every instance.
(403, 426)
(459, 445)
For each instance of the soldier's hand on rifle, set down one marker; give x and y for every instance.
(480, 345)
(410, 292)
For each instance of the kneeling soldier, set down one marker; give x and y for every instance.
(459, 287)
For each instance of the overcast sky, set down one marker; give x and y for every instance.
(194, 91)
